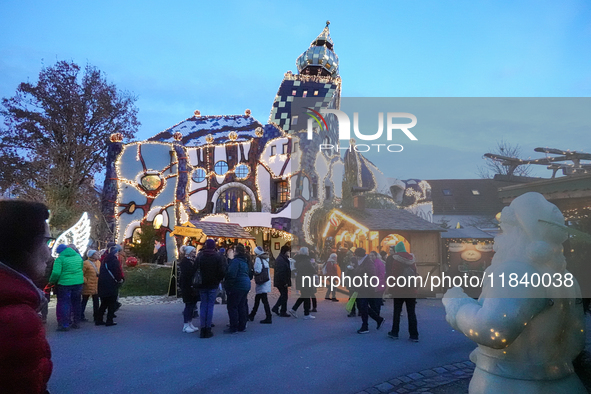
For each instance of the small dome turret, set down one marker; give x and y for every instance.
(320, 58)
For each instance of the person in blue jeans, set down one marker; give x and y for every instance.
(238, 277)
(68, 276)
(211, 266)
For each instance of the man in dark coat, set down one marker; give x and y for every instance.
(402, 263)
(304, 268)
(110, 278)
(238, 277)
(282, 281)
(365, 267)
(211, 266)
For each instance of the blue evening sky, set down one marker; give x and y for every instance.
(224, 57)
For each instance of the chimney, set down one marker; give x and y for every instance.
(359, 202)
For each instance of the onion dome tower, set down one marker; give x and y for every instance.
(317, 77)
(320, 58)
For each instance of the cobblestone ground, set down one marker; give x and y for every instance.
(437, 380)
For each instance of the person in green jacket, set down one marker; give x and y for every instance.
(68, 276)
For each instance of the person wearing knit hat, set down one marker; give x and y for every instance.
(330, 269)
(68, 276)
(90, 270)
(110, 278)
(190, 296)
(263, 285)
(400, 263)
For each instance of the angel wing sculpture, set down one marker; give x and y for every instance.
(78, 234)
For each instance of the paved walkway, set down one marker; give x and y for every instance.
(147, 353)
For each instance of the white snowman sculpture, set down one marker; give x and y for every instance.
(527, 335)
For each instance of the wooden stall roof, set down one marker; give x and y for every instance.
(222, 230)
(467, 232)
(392, 219)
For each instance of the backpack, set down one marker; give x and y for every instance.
(263, 276)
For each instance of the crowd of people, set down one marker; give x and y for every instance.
(24, 270)
(230, 270)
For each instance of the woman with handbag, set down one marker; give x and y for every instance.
(263, 285)
(110, 278)
(189, 294)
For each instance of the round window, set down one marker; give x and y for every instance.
(198, 175)
(221, 167)
(241, 171)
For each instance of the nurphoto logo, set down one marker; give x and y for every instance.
(344, 129)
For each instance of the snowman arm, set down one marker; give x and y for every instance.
(499, 321)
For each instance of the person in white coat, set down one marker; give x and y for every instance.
(262, 279)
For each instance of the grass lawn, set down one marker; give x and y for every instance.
(145, 279)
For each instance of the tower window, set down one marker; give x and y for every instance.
(316, 93)
(285, 148)
(273, 150)
(328, 65)
(305, 93)
(295, 147)
(294, 120)
(293, 92)
(475, 192)
(447, 192)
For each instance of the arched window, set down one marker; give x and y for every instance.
(233, 199)
(221, 167)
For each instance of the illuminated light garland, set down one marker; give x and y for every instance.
(577, 213)
(217, 215)
(275, 233)
(135, 185)
(78, 234)
(197, 113)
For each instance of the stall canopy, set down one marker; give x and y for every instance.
(467, 232)
(222, 230)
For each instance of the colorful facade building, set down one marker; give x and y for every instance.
(268, 178)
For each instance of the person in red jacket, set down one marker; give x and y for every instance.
(25, 356)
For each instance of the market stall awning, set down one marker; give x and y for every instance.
(467, 232)
(222, 230)
(391, 219)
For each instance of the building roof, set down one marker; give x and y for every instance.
(222, 230)
(467, 232)
(572, 186)
(392, 219)
(466, 196)
(195, 130)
